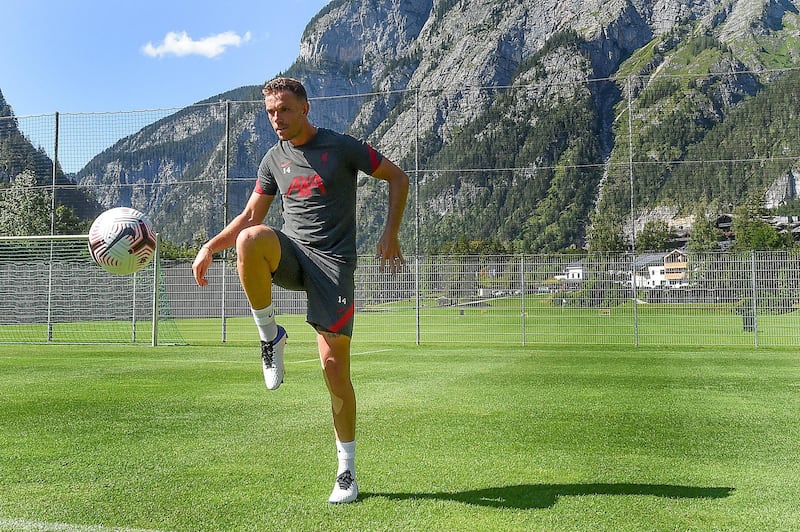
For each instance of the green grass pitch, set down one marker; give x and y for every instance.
(455, 437)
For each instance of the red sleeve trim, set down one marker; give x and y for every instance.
(374, 159)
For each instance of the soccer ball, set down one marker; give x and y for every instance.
(122, 241)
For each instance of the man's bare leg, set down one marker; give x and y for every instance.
(258, 254)
(334, 353)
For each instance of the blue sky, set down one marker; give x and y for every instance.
(102, 55)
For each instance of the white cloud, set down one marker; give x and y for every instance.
(181, 44)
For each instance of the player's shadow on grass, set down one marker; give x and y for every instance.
(533, 496)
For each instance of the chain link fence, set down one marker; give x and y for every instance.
(516, 170)
(50, 291)
(709, 299)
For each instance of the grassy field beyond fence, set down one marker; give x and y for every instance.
(455, 437)
(507, 321)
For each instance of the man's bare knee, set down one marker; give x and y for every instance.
(335, 373)
(249, 237)
(258, 241)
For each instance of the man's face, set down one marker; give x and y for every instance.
(287, 114)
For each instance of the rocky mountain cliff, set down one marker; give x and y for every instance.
(422, 63)
(19, 156)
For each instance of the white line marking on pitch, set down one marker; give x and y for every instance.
(354, 354)
(25, 524)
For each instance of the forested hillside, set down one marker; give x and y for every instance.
(19, 160)
(710, 140)
(17, 154)
(538, 208)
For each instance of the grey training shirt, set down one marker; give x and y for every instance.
(317, 182)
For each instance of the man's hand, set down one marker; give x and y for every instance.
(389, 253)
(201, 264)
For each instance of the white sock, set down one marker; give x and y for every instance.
(265, 322)
(346, 453)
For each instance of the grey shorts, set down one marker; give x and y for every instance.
(328, 283)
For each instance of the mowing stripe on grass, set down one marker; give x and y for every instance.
(189, 361)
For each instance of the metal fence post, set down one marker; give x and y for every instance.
(522, 290)
(52, 233)
(156, 274)
(754, 295)
(55, 174)
(630, 164)
(133, 305)
(226, 177)
(418, 299)
(416, 218)
(633, 214)
(634, 301)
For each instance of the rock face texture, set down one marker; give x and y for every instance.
(424, 62)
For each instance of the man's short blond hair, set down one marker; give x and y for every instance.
(285, 84)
